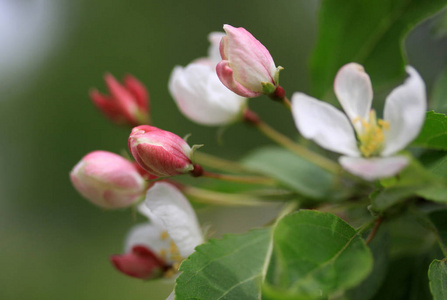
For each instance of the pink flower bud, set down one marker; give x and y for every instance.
(160, 152)
(128, 104)
(108, 180)
(247, 68)
(140, 262)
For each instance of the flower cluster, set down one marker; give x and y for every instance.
(213, 91)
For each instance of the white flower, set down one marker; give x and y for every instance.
(173, 231)
(368, 144)
(200, 95)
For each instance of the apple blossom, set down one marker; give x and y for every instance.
(128, 104)
(108, 180)
(157, 248)
(247, 68)
(368, 144)
(200, 95)
(160, 152)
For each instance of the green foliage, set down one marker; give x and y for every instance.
(380, 250)
(231, 268)
(438, 100)
(437, 273)
(315, 254)
(368, 32)
(295, 173)
(406, 279)
(439, 222)
(434, 133)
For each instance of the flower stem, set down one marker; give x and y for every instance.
(252, 118)
(218, 163)
(242, 179)
(286, 103)
(374, 230)
(225, 199)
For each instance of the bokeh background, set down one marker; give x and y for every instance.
(53, 243)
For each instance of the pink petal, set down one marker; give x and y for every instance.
(225, 74)
(138, 90)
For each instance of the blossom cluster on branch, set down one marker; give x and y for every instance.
(214, 91)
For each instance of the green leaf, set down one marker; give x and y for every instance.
(410, 234)
(438, 100)
(367, 32)
(439, 220)
(436, 165)
(406, 279)
(231, 268)
(295, 173)
(434, 133)
(380, 250)
(314, 255)
(436, 194)
(437, 274)
(412, 180)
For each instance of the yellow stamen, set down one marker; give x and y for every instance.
(163, 253)
(176, 257)
(164, 235)
(173, 248)
(371, 134)
(169, 273)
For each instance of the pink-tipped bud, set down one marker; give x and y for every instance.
(140, 262)
(160, 152)
(108, 180)
(127, 104)
(247, 68)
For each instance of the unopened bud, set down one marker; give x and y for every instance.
(247, 68)
(108, 180)
(128, 104)
(160, 152)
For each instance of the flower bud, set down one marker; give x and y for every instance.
(140, 262)
(128, 104)
(160, 152)
(247, 68)
(108, 180)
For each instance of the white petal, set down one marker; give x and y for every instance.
(170, 206)
(374, 168)
(324, 124)
(354, 91)
(145, 211)
(213, 51)
(405, 109)
(151, 236)
(202, 98)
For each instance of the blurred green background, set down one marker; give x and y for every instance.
(54, 244)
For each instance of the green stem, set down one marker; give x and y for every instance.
(286, 102)
(242, 179)
(298, 149)
(214, 162)
(217, 198)
(374, 230)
